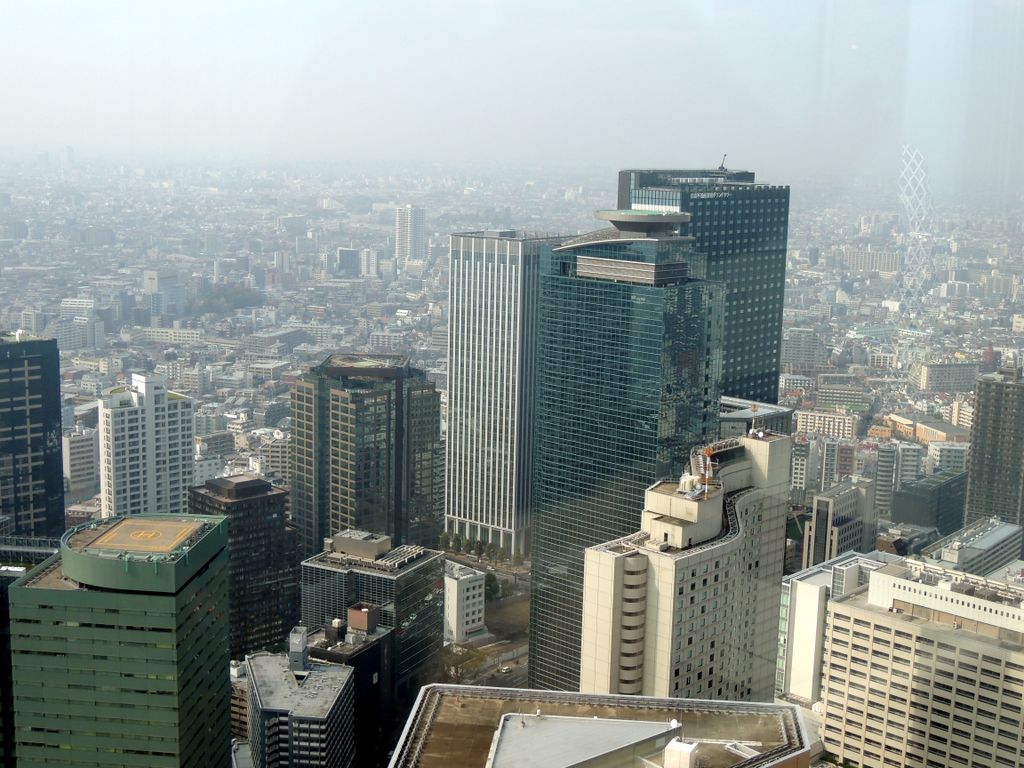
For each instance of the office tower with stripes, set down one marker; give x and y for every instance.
(493, 284)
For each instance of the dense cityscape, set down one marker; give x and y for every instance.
(432, 464)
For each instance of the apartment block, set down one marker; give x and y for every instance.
(948, 455)
(146, 448)
(826, 423)
(943, 377)
(81, 457)
(300, 712)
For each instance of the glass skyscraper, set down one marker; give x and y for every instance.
(741, 227)
(366, 437)
(31, 470)
(627, 382)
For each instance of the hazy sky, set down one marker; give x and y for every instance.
(807, 87)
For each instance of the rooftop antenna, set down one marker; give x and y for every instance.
(722, 166)
(708, 469)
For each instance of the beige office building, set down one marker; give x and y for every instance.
(924, 667)
(688, 606)
(843, 519)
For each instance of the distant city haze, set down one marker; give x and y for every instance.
(813, 89)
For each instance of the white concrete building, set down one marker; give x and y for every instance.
(804, 603)
(925, 667)
(982, 547)
(410, 236)
(493, 285)
(146, 448)
(946, 455)
(688, 606)
(463, 603)
(826, 423)
(805, 464)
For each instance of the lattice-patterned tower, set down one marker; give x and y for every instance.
(917, 208)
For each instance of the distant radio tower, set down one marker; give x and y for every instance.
(916, 203)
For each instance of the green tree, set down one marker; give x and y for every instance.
(457, 542)
(460, 665)
(492, 588)
(478, 548)
(443, 541)
(492, 551)
(502, 555)
(517, 559)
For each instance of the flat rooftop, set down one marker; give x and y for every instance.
(310, 693)
(859, 600)
(146, 535)
(456, 725)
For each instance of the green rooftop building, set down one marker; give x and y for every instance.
(119, 646)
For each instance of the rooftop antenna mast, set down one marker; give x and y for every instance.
(709, 469)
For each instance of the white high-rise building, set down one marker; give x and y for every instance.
(688, 606)
(805, 597)
(493, 283)
(410, 236)
(146, 448)
(463, 603)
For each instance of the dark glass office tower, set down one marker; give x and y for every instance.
(627, 382)
(366, 436)
(741, 226)
(31, 469)
(263, 572)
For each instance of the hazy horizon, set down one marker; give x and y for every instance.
(813, 88)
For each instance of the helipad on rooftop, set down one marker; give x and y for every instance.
(142, 535)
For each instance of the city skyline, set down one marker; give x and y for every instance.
(335, 431)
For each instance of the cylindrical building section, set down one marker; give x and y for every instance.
(633, 624)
